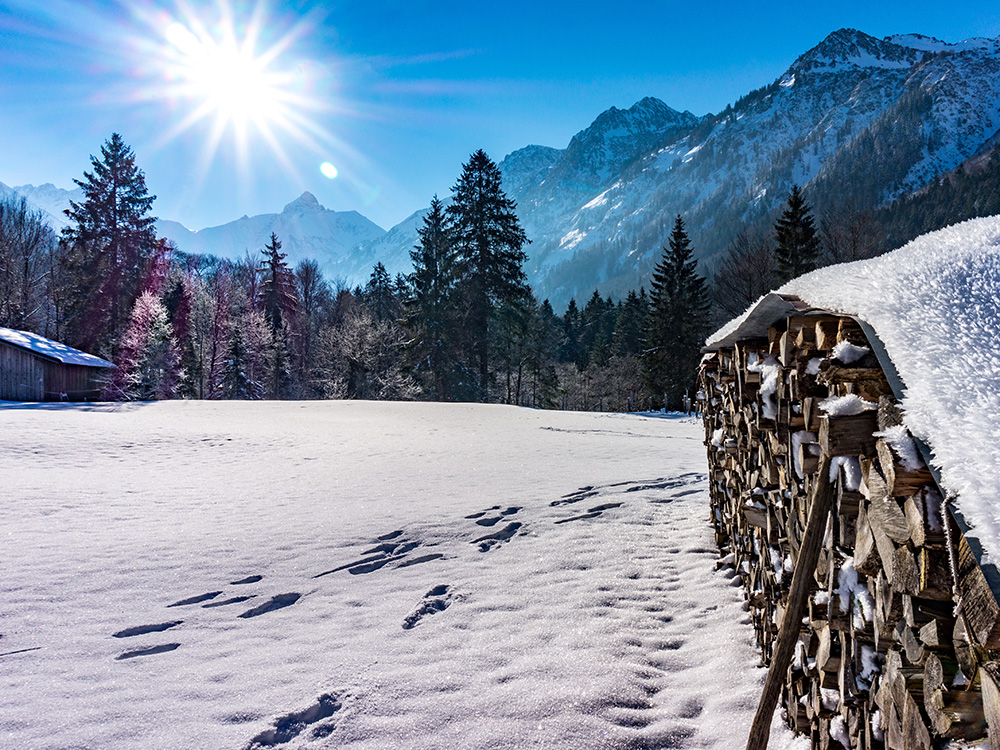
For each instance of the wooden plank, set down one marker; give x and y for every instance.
(990, 674)
(788, 635)
(848, 436)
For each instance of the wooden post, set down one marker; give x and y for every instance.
(798, 596)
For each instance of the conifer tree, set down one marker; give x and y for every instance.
(545, 332)
(629, 333)
(235, 383)
(570, 347)
(277, 286)
(431, 314)
(278, 301)
(177, 301)
(379, 295)
(797, 244)
(106, 248)
(488, 240)
(677, 323)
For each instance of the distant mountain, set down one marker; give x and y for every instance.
(856, 120)
(305, 228)
(48, 199)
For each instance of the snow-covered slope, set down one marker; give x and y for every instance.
(305, 228)
(364, 576)
(935, 305)
(854, 118)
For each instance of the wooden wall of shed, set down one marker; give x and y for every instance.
(22, 375)
(72, 382)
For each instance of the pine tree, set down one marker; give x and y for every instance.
(177, 301)
(489, 257)
(379, 295)
(235, 383)
(279, 304)
(431, 314)
(570, 347)
(797, 245)
(106, 249)
(277, 286)
(629, 334)
(545, 332)
(677, 323)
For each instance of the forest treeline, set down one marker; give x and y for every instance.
(463, 326)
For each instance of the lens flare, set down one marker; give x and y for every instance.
(245, 80)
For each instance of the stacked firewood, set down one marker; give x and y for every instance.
(894, 645)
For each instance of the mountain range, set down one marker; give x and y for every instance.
(857, 121)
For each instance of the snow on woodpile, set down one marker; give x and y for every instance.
(935, 305)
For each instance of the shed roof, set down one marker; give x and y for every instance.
(51, 350)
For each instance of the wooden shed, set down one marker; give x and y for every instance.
(34, 368)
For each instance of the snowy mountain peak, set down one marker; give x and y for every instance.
(645, 116)
(305, 203)
(931, 44)
(850, 48)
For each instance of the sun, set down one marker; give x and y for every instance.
(231, 82)
(243, 79)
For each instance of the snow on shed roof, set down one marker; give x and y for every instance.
(51, 349)
(935, 305)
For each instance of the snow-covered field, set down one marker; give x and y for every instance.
(363, 575)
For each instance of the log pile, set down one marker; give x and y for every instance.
(894, 647)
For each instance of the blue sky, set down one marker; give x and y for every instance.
(395, 95)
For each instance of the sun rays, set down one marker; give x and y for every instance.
(240, 85)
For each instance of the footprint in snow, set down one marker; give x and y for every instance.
(482, 513)
(161, 649)
(248, 579)
(286, 728)
(144, 629)
(274, 603)
(195, 599)
(594, 512)
(488, 542)
(575, 497)
(388, 551)
(436, 600)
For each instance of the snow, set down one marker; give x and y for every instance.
(418, 576)
(852, 471)
(898, 438)
(769, 370)
(846, 406)
(850, 589)
(41, 345)
(848, 353)
(934, 304)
